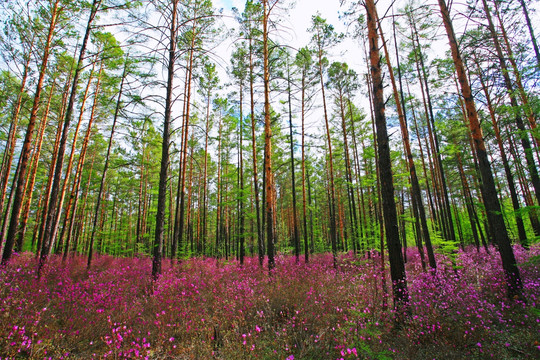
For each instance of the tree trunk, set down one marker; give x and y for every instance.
(332, 204)
(525, 143)
(531, 31)
(242, 250)
(73, 149)
(260, 236)
(107, 157)
(31, 180)
(491, 202)
(269, 175)
(397, 267)
(163, 175)
(508, 172)
(7, 159)
(293, 177)
(304, 212)
(416, 192)
(25, 152)
(51, 213)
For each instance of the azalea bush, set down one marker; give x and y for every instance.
(206, 308)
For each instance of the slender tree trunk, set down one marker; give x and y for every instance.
(446, 213)
(531, 31)
(26, 149)
(31, 180)
(241, 178)
(219, 195)
(260, 236)
(205, 183)
(107, 158)
(71, 208)
(163, 175)
(491, 201)
(525, 143)
(332, 204)
(269, 175)
(293, 177)
(397, 267)
(416, 192)
(508, 172)
(7, 159)
(349, 178)
(51, 213)
(304, 212)
(73, 150)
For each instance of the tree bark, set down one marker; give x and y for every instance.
(269, 175)
(491, 201)
(163, 175)
(397, 267)
(51, 213)
(26, 149)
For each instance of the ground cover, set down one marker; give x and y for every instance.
(215, 309)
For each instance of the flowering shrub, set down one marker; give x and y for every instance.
(208, 308)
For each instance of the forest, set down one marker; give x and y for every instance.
(188, 179)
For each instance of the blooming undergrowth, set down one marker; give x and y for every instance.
(216, 309)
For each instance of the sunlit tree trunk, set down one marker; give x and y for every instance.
(269, 175)
(524, 137)
(491, 201)
(26, 149)
(57, 179)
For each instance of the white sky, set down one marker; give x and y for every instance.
(293, 32)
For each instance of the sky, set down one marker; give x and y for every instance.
(293, 32)
(299, 19)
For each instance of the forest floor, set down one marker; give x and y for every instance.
(215, 309)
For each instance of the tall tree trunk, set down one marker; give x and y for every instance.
(26, 149)
(205, 182)
(348, 176)
(242, 250)
(508, 172)
(51, 213)
(416, 192)
(163, 175)
(304, 212)
(107, 159)
(525, 143)
(397, 267)
(531, 31)
(219, 195)
(293, 177)
(446, 213)
(71, 208)
(7, 158)
(491, 201)
(180, 213)
(31, 180)
(73, 148)
(260, 236)
(332, 204)
(269, 175)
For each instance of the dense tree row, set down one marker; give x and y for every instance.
(123, 132)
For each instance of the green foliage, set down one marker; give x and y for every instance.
(448, 248)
